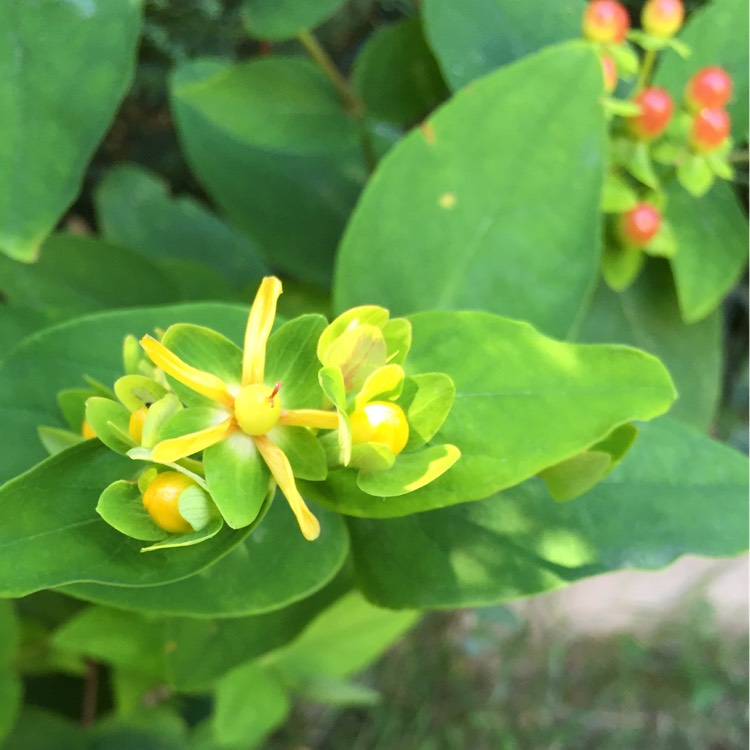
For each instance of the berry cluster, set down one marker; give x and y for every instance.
(653, 137)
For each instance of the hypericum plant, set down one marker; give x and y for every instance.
(652, 144)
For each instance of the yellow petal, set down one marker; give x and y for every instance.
(316, 418)
(259, 324)
(174, 449)
(281, 469)
(201, 382)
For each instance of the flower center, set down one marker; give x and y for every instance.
(380, 422)
(257, 408)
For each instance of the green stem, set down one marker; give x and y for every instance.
(351, 101)
(644, 76)
(739, 157)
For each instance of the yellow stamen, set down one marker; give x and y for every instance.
(259, 324)
(201, 382)
(169, 451)
(317, 418)
(281, 469)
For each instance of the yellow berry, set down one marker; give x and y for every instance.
(161, 500)
(257, 409)
(380, 422)
(87, 431)
(135, 426)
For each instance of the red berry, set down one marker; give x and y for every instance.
(656, 112)
(640, 225)
(609, 70)
(709, 87)
(710, 129)
(662, 18)
(605, 21)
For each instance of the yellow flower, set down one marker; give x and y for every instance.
(254, 408)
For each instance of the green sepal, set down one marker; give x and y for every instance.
(304, 451)
(72, 403)
(639, 164)
(158, 415)
(332, 382)
(99, 388)
(426, 399)
(372, 457)
(667, 152)
(397, 335)
(364, 315)
(56, 440)
(121, 506)
(621, 266)
(145, 479)
(625, 57)
(186, 540)
(621, 107)
(110, 420)
(196, 507)
(617, 195)
(132, 355)
(188, 467)
(237, 478)
(695, 175)
(647, 41)
(720, 165)
(410, 471)
(664, 243)
(137, 391)
(187, 421)
(682, 49)
(385, 384)
(571, 478)
(291, 359)
(206, 350)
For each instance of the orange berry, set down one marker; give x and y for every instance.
(640, 225)
(710, 87)
(656, 112)
(710, 129)
(605, 21)
(662, 18)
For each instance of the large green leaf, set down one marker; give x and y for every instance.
(50, 533)
(478, 209)
(523, 402)
(64, 66)
(136, 211)
(711, 234)
(77, 274)
(474, 37)
(57, 358)
(272, 145)
(646, 315)
(271, 19)
(396, 76)
(274, 567)
(676, 493)
(717, 35)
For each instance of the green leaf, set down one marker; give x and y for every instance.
(527, 403)
(158, 414)
(396, 76)
(50, 533)
(397, 335)
(274, 567)
(249, 704)
(617, 195)
(456, 238)
(718, 35)
(371, 457)
(192, 419)
(694, 173)
(211, 529)
(427, 400)
(207, 350)
(344, 639)
(56, 440)
(135, 210)
(337, 692)
(476, 36)
(676, 493)
(621, 266)
(303, 450)
(109, 420)
(712, 238)
(44, 730)
(75, 275)
(576, 475)
(269, 139)
(646, 315)
(269, 19)
(157, 728)
(121, 506)
(49, 135)
(238, 479)
(291, 359)
(664, 244)
(11, 700)
(409, 472)
(640, 165)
